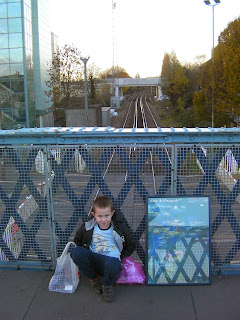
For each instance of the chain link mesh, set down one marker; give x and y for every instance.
(46, 193)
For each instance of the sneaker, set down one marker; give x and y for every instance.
(108, 294)
(95, 284)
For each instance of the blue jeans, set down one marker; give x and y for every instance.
(92, 264)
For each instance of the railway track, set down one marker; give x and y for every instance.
(139, 114)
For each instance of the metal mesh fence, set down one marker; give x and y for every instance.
(213, 170)
(46, 193)
(25, 234)
(126, 174)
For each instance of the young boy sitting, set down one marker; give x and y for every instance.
(101, 244)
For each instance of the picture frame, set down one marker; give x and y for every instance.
(178, 240)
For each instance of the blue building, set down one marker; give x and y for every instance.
(25, 51)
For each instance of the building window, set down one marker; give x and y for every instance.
(3, 26)
(3, 40)
(14, 10)
(3, 10)
(15, 25)
(15, 40)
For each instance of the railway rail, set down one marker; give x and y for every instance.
(139, 114)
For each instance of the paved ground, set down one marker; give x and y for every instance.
(25, 296)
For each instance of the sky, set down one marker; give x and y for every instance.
(137, 33)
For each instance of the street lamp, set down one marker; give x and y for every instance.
(208, 3)
(85, 60)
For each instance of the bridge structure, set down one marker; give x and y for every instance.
(50, 176)
(120, 83)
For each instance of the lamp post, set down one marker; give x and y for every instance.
(85, 60)
(208, 3)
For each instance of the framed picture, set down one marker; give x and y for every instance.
(178, 240)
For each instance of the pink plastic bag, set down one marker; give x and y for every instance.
(132, 272)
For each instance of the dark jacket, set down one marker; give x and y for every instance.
(121, 233)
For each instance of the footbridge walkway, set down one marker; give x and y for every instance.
(138, 82)
(119, 83)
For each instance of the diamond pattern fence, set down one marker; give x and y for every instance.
(46, 193)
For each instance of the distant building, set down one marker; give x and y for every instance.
(25, 50)
(54, 44)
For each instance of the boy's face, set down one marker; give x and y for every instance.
(103, 217)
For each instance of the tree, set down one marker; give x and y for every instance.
(180, 83)
(202, 116)
(202, 100)
(93, 73)
(175, 85)
(106, 89)
(65, 82)
(223, 76)
(174, 79)
(167, 72)
(190, 87)
(227, 69)
(119, 72)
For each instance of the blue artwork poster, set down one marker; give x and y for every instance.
(178, 244)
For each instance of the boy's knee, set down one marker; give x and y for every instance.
(77, 252)
(115, 265)
(73, 253)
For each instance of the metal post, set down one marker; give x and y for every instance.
(213, 77)
(208, 3)
(85, 60)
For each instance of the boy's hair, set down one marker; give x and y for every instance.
(102, 202)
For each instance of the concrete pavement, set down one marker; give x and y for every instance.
(25, 296)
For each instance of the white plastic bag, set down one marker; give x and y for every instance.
(65, 278)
